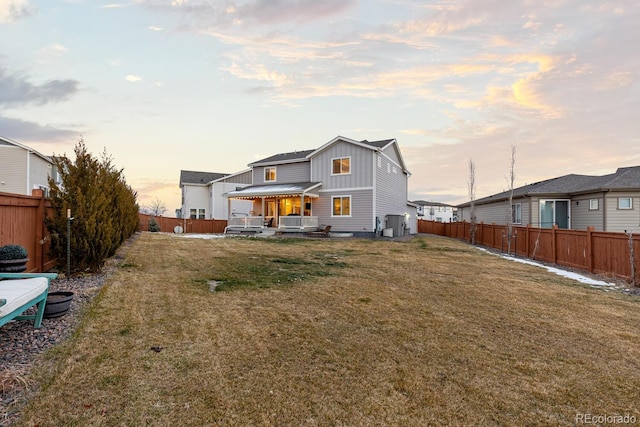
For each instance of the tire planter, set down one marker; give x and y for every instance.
(13, 265)
(58, 303)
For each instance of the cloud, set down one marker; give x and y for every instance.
(133, 78)
(15, 90)
(26, 131)
(12, 10)
(154, 28)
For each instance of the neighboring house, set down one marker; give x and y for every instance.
(434, 211)
(23, 169)
(608, 203)
(202, 194)
(354, 186)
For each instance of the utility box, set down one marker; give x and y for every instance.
(397, 223)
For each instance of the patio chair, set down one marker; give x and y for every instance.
(21, 291)
(320, 233)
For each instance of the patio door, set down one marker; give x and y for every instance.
(554, 212)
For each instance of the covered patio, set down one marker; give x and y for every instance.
(286, 207)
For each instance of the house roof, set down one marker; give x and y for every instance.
(272, 190)
(295, 156)
(195, 177)
(627, 178)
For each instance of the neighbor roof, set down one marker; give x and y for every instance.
(195, 177)
(627, 178)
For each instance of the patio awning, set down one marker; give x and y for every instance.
(275, 190)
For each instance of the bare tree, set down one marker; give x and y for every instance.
(157, 207)
(472, 197)
(632, 257)
(511, 180)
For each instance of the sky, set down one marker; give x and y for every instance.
(166, 85)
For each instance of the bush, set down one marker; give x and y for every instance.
(153, 225)
(9, 252)
(103, 206)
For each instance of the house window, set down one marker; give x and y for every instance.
(554, 212)
(395, 170)
(593, 204)
(388, 167)
(379, 161)
(625, 203)
(341, 166)
(516, 213)
(201, 214)
(193, 213)
(269, 174)
(341, 206)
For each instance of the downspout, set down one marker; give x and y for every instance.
(373, 198)
(604, 211)
(28, 180)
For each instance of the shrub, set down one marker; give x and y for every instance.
(103, 206)
(9, 252)
(153, 225)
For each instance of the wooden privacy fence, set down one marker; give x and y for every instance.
(205, 226)
(22, 223)
(598, 252)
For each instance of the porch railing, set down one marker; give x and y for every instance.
(245, 222)
(298, 222)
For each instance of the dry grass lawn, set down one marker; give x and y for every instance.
(339, 332)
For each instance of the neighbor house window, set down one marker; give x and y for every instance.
(625, 203)
(516, 213)
(341, 166)
(200, 213)
(193, 213)
(593, 204)
(269, 174)
(341, 206)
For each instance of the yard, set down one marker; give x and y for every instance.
(241, 331)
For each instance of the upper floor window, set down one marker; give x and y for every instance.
(341, 206)
(269, 174)
(379, 161)
(593, 204)
(625, 203)
(341, 166)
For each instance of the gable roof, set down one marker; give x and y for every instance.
(627, 178)
(195, 177)
(7, 141)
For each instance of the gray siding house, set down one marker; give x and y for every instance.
(23, 169)
(354, 186)
(607, 203)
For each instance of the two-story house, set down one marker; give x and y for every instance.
(23, 169)
(436, 211)
(354, 186)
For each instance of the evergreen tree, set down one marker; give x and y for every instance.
(103, 206)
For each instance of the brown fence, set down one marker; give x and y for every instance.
(22, 223)
(205, 226)
(599, 252)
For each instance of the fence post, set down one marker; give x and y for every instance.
(554, 243)
(39, 256)
(589, 254)
(528, 253)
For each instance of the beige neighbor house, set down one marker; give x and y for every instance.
(608, 203)
(23, 169)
